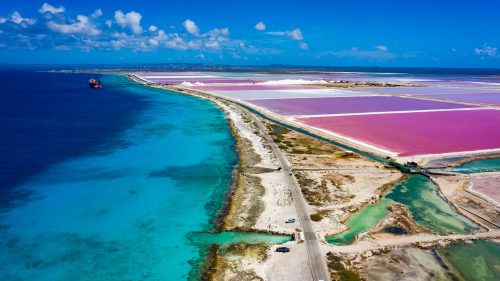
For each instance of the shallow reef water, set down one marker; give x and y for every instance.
(125, 209)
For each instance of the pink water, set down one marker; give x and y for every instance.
(480, 98)
(427, 90)
(201, 80)
(420, 133)
(344, 105)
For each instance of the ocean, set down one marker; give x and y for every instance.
(106, 184)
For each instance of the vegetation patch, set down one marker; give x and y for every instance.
(339, 269)
(316, 217)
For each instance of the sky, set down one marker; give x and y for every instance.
(391, 33)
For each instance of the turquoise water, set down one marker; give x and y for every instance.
(418, 194)
(479, 166)
(125, 212)
(478, 261)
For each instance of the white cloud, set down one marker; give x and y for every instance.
(382, 48)
(123, 30)
(260, 26)
(219, 34)
(83, 26)
(295, 34)
(486, 51)
(153, 42)
(191, 27)
(131, 20)
(278, 33)
(97, 13)
(175, 42)
(212, 44)
(303, 46)
(46, 7)
(356, 53)
(24, 22)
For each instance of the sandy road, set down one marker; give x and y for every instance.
(317, 261)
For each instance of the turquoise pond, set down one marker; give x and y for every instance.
(128, 210)
(475, 261)
(479, 166)
(419, 195)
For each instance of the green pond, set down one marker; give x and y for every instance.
(477, 261)
(418, 194)
(479, 166)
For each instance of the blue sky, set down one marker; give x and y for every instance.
(331, 33)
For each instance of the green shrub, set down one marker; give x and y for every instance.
(316, 217)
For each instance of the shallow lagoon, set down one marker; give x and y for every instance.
(478, 260)
(479, 166)
(419, 195)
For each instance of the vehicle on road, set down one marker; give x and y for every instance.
(283, 249)
(290, 221)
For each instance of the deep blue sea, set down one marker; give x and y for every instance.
(106, 184)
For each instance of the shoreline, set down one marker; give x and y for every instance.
(247, 165)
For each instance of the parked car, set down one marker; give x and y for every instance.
(290, 221)
(283, 249)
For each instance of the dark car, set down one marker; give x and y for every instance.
(283, 249)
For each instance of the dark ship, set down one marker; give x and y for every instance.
(95, 84)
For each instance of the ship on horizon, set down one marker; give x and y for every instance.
(95, 84)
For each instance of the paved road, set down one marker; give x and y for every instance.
(317, 261)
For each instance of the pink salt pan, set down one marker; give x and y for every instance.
(251, 87)
(345, 105)
(421, 133)
(201, 80)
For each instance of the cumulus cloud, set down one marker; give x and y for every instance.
(82, 26)
(18, 19)
(295, 34)
(191, 27)
(97, 13)
(212, 44)
(64, 32)
(303, 46)
(47, 8)
(486, 50)
(260, 26)
(130, 20)
(219, 34)
(382, 48)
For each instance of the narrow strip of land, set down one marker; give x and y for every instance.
(317, 262)
(363, 246)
